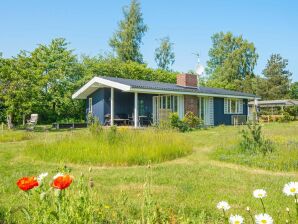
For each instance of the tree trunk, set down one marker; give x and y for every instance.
(24, 119)
(9, 121)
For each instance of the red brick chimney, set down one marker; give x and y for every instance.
(188, 80)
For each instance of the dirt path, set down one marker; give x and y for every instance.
(203, 154)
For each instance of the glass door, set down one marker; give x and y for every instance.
(164, 105)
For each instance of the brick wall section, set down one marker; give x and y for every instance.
(191, 104)
(187, 80)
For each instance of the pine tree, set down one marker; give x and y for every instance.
(277, 78)
(127, 40)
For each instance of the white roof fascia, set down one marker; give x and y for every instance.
(97, 80)
(139, 90)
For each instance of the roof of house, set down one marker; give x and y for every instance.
(272, 103)
(132, 85)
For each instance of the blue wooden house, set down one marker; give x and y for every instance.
(135, 102)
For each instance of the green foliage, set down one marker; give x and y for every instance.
(94, 125)
(232, 61)
(111, 147)
(286, 117)
(178, 124)
(188, 123)
(253, 141)
(60, 75)
(164, 55)
(128, 38)
(292, 111)
(294, 90)
(108, 66)
(41, 81)
(192, 120)
(277, 76)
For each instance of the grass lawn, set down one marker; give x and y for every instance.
(188, 186)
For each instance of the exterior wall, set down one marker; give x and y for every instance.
(123, 103)
(220, 117)
(191, 104)
(97, 104)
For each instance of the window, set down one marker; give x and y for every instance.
(233, 106)
(90, 105)
(201, 107)
(175, 104)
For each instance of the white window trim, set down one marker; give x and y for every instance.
(90, 104)
(228, 106)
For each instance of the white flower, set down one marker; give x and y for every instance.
(247, 208)
(41, 177)
(223, 205)
(236, 219)
(263, 219)
(259, 193)
(290, 189)
(58, 175)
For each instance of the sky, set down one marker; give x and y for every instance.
(272, 25)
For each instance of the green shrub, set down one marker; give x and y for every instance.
(192, 120)
(293, 111)
(188, 123)
(286, 117)
(253, 141)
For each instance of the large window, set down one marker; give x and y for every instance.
(233, 106)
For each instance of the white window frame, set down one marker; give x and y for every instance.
(238, 105)
(90, 104)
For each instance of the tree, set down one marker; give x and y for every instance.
(164, 55)
(277, 78)
(232, 60)
(127, 40)
(294, 90)
(59, 75)
(109, 66)
(19, 87)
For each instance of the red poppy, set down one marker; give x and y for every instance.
(62, 182)
(27, 183)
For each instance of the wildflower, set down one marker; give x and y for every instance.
(27, 183)
(287, 209)
(223, 205)
(259, 193)
(41, 177)
(291, 189)
(58, 175)
(62, 182)
(263, 219)
(236, 219)
(247, 209)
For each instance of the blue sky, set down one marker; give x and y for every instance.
(88, 25)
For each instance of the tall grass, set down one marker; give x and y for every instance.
(109, 147)
(283, 158)
(13, 136)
